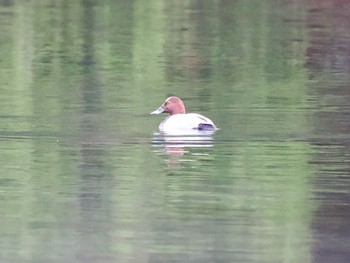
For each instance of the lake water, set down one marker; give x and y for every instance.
(85, 175)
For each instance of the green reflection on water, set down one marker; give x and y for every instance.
(79, 78)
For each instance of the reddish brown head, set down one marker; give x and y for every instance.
(172, 105)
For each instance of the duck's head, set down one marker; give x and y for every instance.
(172, 105)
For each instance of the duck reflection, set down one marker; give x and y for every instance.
(180, 148)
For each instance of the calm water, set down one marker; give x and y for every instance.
(85, 176)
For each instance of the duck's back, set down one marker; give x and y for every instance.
(189, 121)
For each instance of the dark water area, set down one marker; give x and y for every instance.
(85, 175)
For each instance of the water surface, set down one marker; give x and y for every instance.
(85, 175)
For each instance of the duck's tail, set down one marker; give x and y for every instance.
(206, 127)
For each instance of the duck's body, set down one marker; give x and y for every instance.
(179, 120)
(189, 121)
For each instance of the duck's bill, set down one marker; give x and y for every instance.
(159, 110)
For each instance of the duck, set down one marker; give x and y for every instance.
(179, 120)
